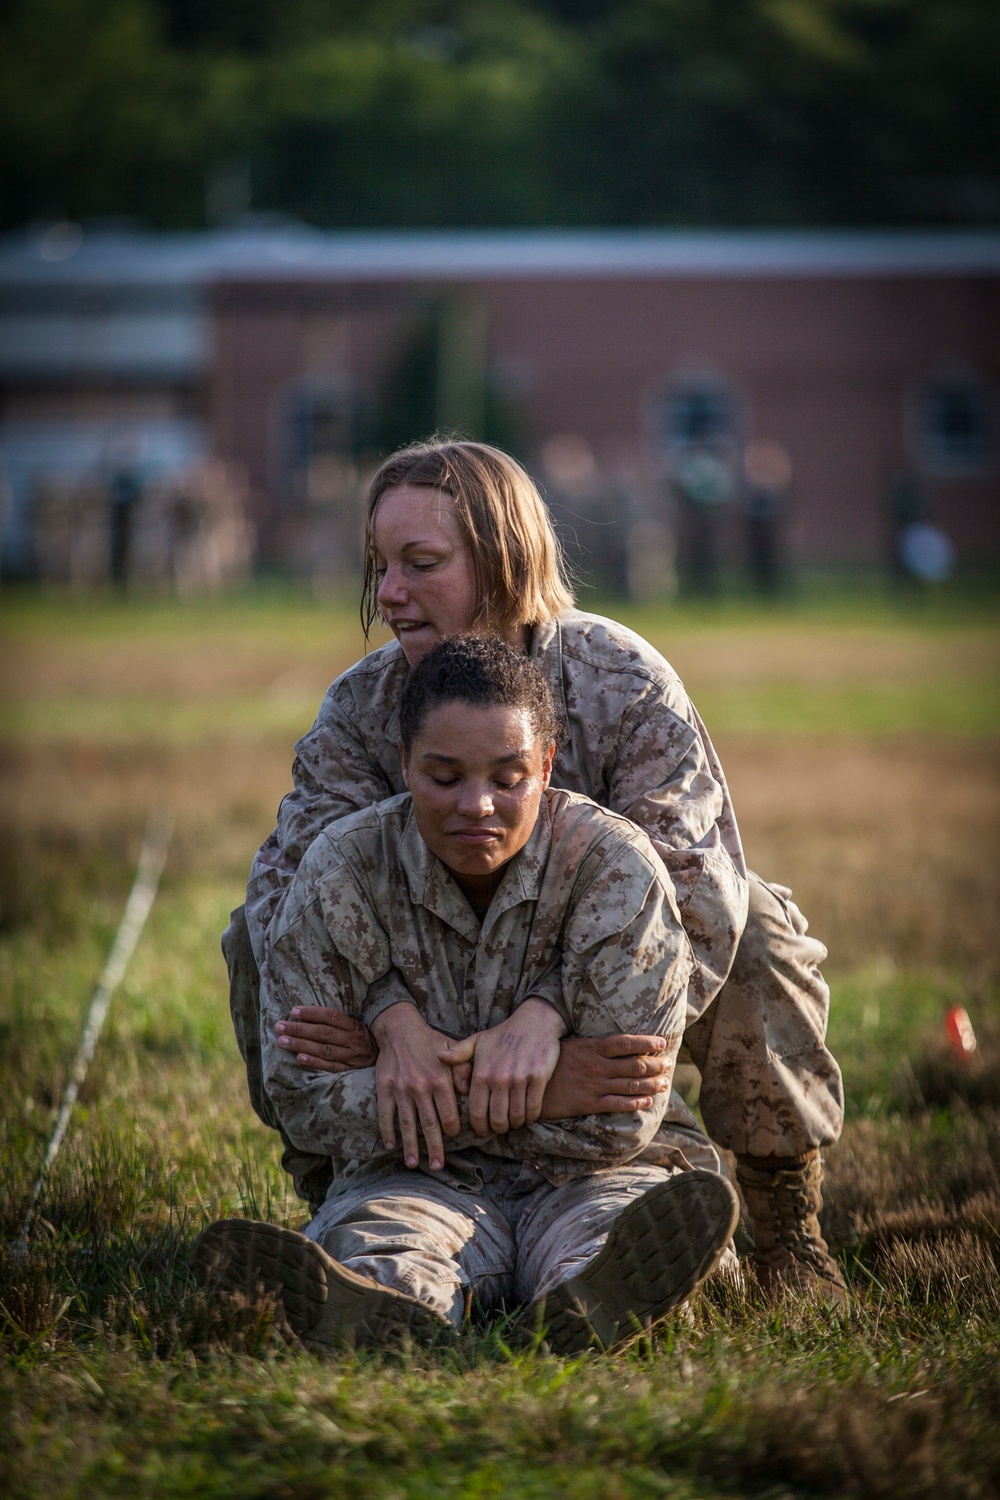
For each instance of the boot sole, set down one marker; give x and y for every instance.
(658, 1251)
(323, 1302)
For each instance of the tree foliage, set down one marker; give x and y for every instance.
(424, 112)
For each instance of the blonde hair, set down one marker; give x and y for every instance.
(520, 570)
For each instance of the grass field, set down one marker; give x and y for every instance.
(861, 744)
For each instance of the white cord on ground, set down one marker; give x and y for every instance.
(155, 843)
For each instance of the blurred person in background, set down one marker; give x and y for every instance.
(767, 478)
(920, 552)
(207, 541)
(126, 485)
(907, 507)
(458, 539)
(704, 489)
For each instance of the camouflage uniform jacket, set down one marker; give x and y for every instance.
(633, 742)
(587, 894)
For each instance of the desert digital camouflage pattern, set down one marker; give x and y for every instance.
(587, 895)
(633, 742)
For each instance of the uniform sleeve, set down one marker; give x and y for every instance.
(330, 1114)
(667, 779)
(627, 964)
(333, 775)
(549, 987)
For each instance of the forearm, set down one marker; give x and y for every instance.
(329, 1113)
(627, 968)
(585, 1085)
(332, 1114)
(588, 1143)
(336, 1114)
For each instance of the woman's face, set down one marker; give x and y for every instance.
(476, 776)
(426, 579)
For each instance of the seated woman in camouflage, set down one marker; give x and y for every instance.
(476, 887)
(458, 539)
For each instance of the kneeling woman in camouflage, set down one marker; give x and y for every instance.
(452, 1179)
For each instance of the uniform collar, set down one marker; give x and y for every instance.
(546, 650)
(432, 885)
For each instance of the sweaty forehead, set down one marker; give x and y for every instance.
(411, 514)
(485, 732)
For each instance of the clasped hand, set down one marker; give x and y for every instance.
(418, 1069)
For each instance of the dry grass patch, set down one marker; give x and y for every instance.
(122, 1379)
(890, 843)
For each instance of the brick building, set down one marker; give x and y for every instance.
(604, 358)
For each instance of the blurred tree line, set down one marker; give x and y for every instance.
(493, 112)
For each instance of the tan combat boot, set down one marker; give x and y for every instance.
(323, 1303)
(783, 1200)
(659, 1249)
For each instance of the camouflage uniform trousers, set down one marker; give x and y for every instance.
(770, 1088)
(504, 1244)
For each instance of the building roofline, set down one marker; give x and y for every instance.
(294, 252)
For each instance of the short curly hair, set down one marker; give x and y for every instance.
(483, 671)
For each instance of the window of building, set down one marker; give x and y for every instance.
(954, 425)
(320, 437)
(320, 419)
(700, 412)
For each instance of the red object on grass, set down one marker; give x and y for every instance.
(959, 1033)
